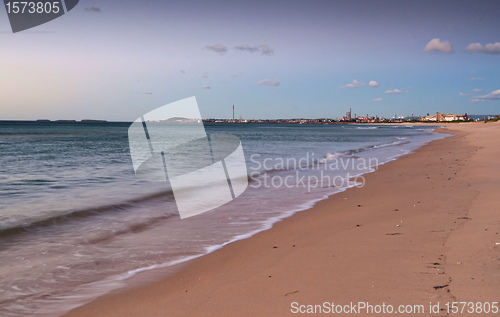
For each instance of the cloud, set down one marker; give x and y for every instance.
(474, 48)
(93, 9)
(377, 99)
(269, 82)
(182, 71)
(236, 75)
(354, 84)
(265, 49)
(476, 78)
(494, 95)
(462, 94)
(393, 91)
(246, 47)
(357, 84)
(205, 75)
(487, 49)
(217, 48)
(437, 45)
(479, 90)
(206, 87)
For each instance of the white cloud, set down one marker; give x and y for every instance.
(265, 49)
(217, 48)
(494, 95)
(462, 94)
(474, 48)
(437, 45)
(491, 48)
(206, 87)
(357, 84)
(246, 47)
(354, 84)
(393, 91)
(476, 78)
(269, 82)
(479, 90)
(377, 99)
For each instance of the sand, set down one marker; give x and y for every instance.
(423, 230)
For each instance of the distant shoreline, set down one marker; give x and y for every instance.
(43, 121)
(260, 122)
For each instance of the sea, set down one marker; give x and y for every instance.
(76, 222)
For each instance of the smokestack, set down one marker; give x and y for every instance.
(233, 112)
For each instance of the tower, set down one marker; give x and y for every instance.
(348, 115)
(233, 112)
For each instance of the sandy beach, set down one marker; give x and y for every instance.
(423, 230)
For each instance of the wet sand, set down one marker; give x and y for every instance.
(423, 229)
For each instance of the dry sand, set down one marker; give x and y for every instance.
(423, 229)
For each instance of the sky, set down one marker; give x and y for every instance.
(117, 60)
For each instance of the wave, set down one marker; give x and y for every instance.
(81, 214)
(336, 155)
(348, 154)
(135, 227)
(389, 144)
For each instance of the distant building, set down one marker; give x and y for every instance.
(348, 116)
(366, 119)
(439, 117)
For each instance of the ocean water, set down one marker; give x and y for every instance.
(75, 221)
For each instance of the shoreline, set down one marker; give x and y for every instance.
(321, 254)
